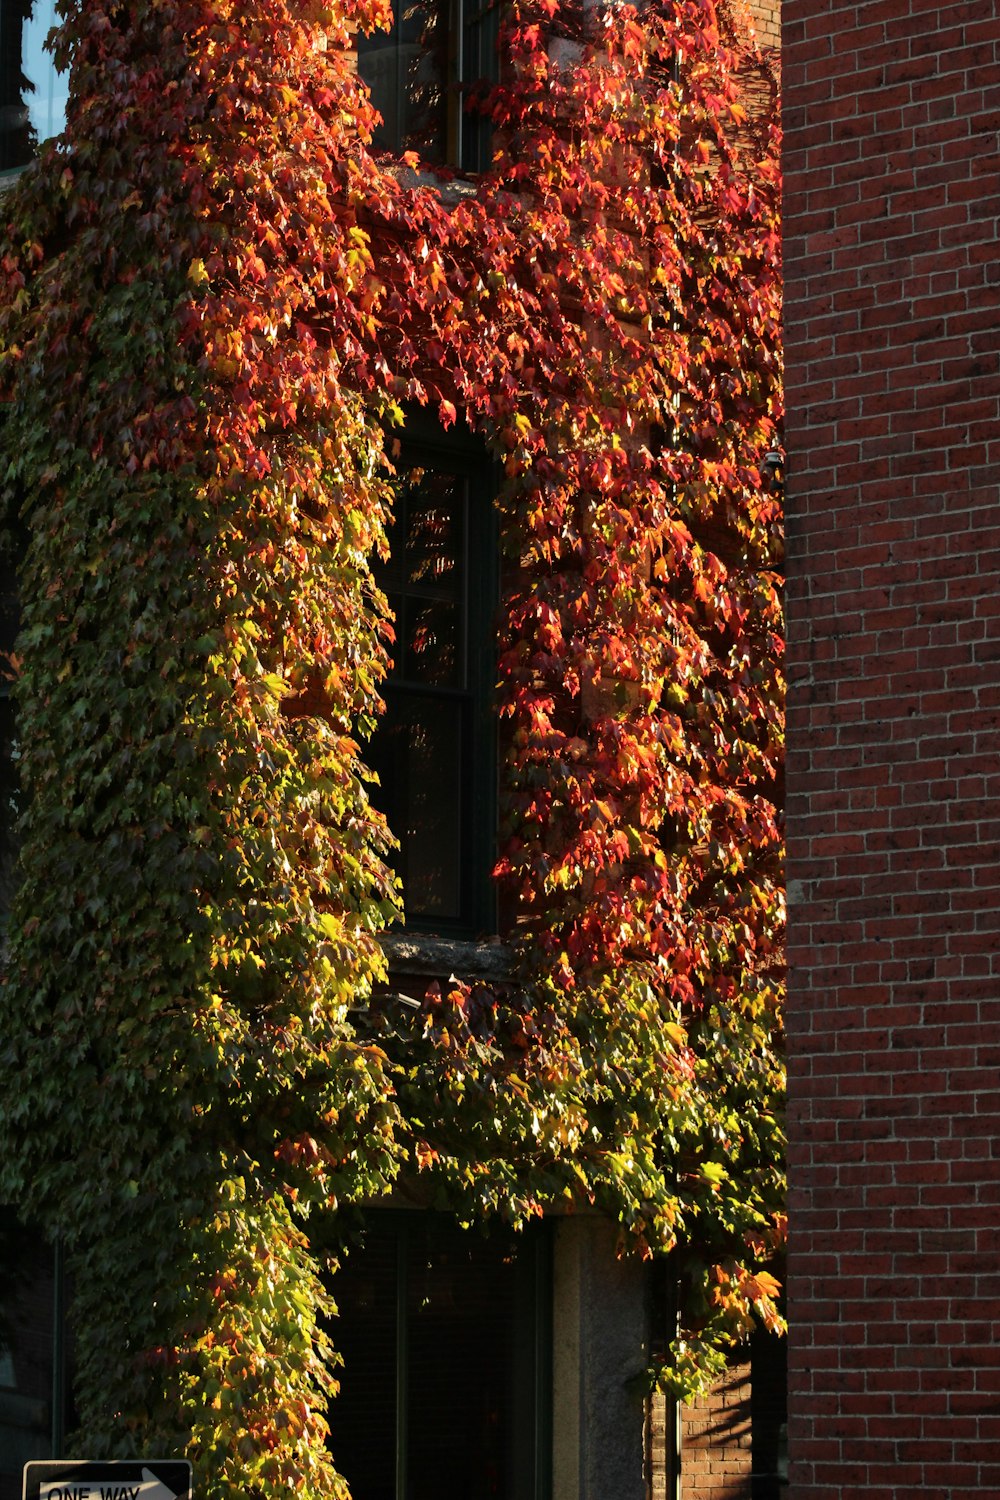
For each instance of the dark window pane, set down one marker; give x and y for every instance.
(26, 1351)
(429, 77)
(429, 645)
(769, 1415)
(434, 751)
(425, 579)
(421, 751)
(463, 1373)
(417, 755)
(407, 73)
(480, 70)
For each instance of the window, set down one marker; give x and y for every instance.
(445, 1337)
(32, 94)
(435, 749)
(428, 77)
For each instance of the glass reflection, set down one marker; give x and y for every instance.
(406, 70)
(32, 93)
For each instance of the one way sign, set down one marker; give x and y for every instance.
(117, 1479)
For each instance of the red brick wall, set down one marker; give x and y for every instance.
(716, 1449)
(892, 318)
(716, 1459)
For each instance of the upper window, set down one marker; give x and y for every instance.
(428, 78)
(434, 750)
(32, 93)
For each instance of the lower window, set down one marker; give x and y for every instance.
(445, 1338)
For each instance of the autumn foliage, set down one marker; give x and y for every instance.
(218, 301)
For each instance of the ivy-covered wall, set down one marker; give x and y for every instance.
(216, 302)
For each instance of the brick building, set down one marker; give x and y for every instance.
(893, 365)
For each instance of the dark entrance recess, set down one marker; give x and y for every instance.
(769, 1415)
(445, 1382)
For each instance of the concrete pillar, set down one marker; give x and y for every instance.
(600, 1330)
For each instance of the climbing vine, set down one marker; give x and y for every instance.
(622, 300)
(217, 300)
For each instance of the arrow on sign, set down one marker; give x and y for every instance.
(152, 1488)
